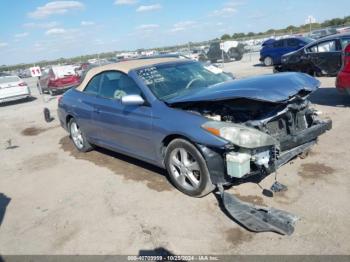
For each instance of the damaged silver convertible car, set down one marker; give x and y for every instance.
(203, 127)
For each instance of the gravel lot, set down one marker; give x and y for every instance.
(65, 202)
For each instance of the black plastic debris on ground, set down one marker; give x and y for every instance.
(278, 187)
(9, 145)
(258, 218)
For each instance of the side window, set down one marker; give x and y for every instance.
(312, 49)
(93, 86)
(292, 42)
(44, 73)
(328, 46)
(278, 44)
(115, 85)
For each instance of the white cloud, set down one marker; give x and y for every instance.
(225, 11)
(177, 29)
(41, 25)
(125, 2)
(228, 9)
(21, 35)
(87, 23)
(55, 31)
(55, 7)
(147, 27)
(146, 8)
(183, 25)
(3, 44)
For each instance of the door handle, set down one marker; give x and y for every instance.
(96, 110)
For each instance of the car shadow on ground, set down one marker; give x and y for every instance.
(16, 102)
(329, 96)
(131, 160)
(4, 201)
(259, 65)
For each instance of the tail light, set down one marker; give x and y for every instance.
(22, 84)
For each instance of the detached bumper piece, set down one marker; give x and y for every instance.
(257, 218)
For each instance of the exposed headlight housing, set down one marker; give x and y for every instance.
(239, 135)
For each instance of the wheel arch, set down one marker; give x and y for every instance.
(68, 118)
(166, 141)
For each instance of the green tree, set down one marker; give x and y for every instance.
(225, 37)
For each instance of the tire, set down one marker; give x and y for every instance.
(268, 61)
(187, 169)
(78, 138)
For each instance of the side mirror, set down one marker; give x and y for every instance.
(132, 100)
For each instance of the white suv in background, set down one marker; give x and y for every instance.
(13, 88)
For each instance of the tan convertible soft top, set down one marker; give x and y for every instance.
(125, 67)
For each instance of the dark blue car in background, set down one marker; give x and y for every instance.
(272, 50)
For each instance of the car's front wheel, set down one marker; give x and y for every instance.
(78, 137)
(187, 168)
(268, 61)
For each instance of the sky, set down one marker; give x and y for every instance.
(34, 30)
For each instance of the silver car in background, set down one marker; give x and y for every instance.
(13, 88)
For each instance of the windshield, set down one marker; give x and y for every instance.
(171, 80)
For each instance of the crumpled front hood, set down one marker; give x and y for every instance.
(272, 88)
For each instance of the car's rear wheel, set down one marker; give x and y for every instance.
(268, 61)
(187, 168)
(78, 137)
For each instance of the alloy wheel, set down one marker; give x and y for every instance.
(185, 169)
(76, 135)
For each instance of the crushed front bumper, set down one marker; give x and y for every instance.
(290, 147)
(304, 136)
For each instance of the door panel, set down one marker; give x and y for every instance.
(327, 62)
(85, 106)
(84, 109)
(127, 128)
(326, 56)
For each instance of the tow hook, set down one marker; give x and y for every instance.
(257, 218)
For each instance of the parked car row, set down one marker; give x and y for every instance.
(321, 57)
(272, 50)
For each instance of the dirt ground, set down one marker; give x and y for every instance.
(59, 201)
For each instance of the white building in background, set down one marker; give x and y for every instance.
(149, 53)
(126, 55)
